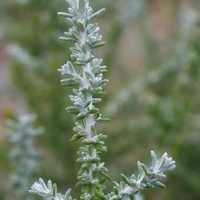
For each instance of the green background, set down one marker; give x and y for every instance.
(152, 55)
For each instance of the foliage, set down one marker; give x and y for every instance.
(164, 102)
(32, 54)
(147, 112)
(23, 156)
(85, 73)
(49, 191)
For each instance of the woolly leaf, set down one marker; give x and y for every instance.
(125, 179)
(98, 13)
(103, 120)
(73, 110)
(100, 148)
(64, 14)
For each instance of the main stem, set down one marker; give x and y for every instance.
(85, 72)
(89, 121)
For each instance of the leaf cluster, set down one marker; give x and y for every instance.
(148, 177)
(49, 191)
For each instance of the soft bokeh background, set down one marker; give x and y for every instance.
(153, 58)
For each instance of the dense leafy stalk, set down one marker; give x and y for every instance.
(85, 73)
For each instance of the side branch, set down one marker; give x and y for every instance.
(147, 178)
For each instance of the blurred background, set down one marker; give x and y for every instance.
(153, 58)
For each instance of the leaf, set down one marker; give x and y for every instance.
(87, 104)
(76, 137)
(71, 39)
(93, 111)
(81, 116)
(125, 179)
(95, 160)
(153, 157)
(86, 183)
(81, 170)
(78, 184)
(100, 148)
(105, 175)
(95, 198)
(64, 14)
(98, 191)
(96, 100)
(103, 120)
(73, 110)
(101, 11)
(158, 183)
(102, 180)
(98, 44)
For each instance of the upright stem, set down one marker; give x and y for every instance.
(85, 72)
(89, 122)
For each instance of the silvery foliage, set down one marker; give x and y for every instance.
(49, 191)
(23, 156)
(147, 178)
(85, 73)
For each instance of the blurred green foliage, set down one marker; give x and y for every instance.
(156, 107)
(32, 30)
(23, 157)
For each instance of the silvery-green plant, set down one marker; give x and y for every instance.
(23, 156)
(85, 73)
